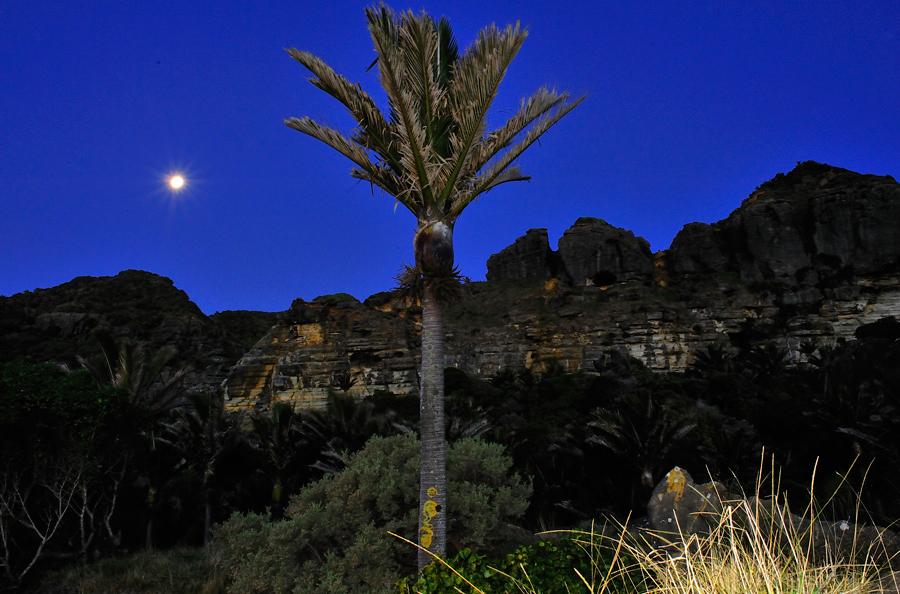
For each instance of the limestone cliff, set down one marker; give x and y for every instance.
(810, 255)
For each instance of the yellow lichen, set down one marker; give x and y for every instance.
(675, 481)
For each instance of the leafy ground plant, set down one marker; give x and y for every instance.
(567, 564)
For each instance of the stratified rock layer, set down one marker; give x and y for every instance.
(302, 357)
(810, 255)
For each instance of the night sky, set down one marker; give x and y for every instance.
(691, 106)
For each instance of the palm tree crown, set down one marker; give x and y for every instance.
(433, 153)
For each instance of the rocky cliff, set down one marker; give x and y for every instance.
(56, 324)
(809, 256)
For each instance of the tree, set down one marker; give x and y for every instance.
(124, 364)
(213, 435)
(276, 441)
(153, 389)
(435, 156)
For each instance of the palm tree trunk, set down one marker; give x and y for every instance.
(433, 482)
(207, 523)
(151, 508)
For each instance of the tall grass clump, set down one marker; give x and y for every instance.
(756, 545)
(753, 545)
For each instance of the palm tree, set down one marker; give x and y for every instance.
(276, 440)
(124, 364)
(153, 388)
(435, 156)
(213, 434)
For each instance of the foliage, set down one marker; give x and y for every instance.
(545, 566)
(41, 405)
(335, 299)
(341, 428)
(334, 537)
(213, 435)
(147, 380)
(64, 444)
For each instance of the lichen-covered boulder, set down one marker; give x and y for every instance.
(678, 505)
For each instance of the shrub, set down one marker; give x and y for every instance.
(547, 566)
(334, 538)
(336, 298)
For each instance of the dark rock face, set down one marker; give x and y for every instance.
(55, 324)
(596, 253)
(697, 248)
(809, 256)
(529, 258)
(799, 229)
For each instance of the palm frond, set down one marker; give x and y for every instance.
(477, 78)
(391, 183)
(493, 176)
(385, 28)
(531, 109)
(378, 132)
(334, 139)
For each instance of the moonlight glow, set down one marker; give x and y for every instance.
(176, 182)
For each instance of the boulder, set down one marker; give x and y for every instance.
(678, 505)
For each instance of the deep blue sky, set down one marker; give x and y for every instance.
(691, 106)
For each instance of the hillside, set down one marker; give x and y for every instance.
(807, 258)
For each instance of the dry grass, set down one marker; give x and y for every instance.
(741, 555)
(755, 547)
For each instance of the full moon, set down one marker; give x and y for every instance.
(176, 182)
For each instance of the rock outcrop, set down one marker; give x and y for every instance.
(809, 227)
(315, 343)
(803, 259)
(596, 253)
(56, 324)
(529, 258)
(810, 256)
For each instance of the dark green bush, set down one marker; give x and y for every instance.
(336, 298)
(335, 536)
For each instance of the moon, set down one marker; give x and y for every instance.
(176, 182)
